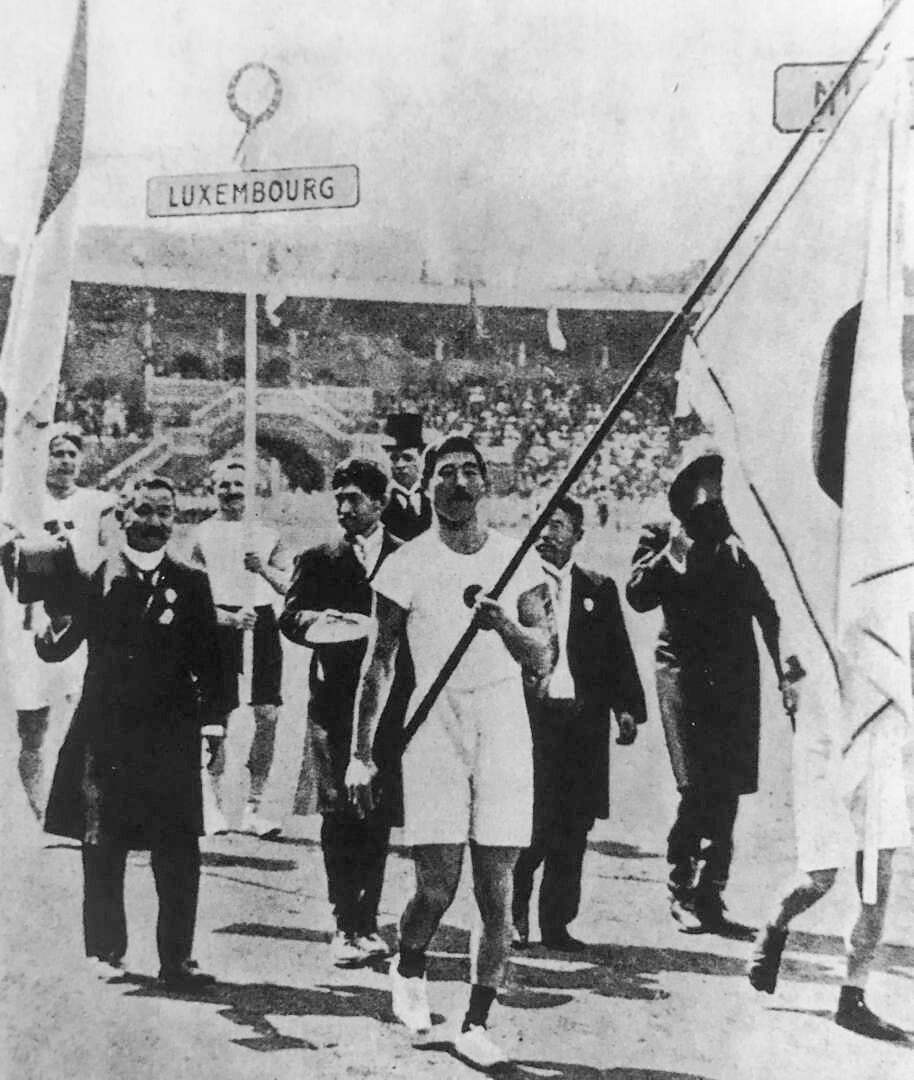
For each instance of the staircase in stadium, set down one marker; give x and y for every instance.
(213, 428)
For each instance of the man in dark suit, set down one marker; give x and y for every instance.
(409, 511)
(594, 677)
(707, 667)
(330, 597)
(128, 774)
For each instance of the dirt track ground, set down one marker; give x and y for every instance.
(644, 1002)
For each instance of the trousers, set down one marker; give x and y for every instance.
(704, 814)
(176, 869)
(355, 855)
(562, 859)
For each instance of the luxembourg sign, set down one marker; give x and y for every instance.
(253, 191)
(799, 89)
(254, 95)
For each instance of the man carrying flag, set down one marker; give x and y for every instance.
(820, 485)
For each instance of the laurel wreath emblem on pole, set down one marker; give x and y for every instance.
(251, 120)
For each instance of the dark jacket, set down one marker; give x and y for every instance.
(572, 756)
(129, 769)
(402, 520)
(330, 576)
(707, 660)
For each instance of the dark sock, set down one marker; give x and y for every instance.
(412, 963)
(481, 998)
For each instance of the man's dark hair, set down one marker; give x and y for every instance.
(366, 475)
(450, 444)
(149, 483)
(573, 509)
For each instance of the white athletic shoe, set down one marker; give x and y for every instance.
(255, 825)
(409, 1000)
(373, 945)
(476, 1046)
(344, 948)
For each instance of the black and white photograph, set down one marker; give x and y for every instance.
(457, 539)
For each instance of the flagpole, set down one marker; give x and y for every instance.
(673, 325)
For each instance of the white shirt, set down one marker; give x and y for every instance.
(427, 579)
(561, 684)
(413, 496)
(223, 544)
(368, 549)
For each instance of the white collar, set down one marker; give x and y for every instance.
(562, 576)
(143, 560)
(370, 545)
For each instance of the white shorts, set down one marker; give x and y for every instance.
(32, 683)
(468, 772)
(830, 804)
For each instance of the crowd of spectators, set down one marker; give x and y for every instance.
(537, 426)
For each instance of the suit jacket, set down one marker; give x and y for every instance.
(402, 520)
(571, 750)
(707, 660)
(331, 576)
(129, 769)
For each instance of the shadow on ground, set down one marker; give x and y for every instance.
(251, 862)
(617, 850)
(558, 1070)
(541, 979)
(249, 1004)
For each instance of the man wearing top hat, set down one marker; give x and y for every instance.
(408, 512)
(707, 670)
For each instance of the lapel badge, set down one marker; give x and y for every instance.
(588, 603)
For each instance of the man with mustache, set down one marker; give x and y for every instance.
(468, 772)
(328, 607)
(128, 774)
(707, 671)
(83, 519)
(247, 569)
(594, 676)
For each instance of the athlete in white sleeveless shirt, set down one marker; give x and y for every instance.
(247, 569)
(84, 518)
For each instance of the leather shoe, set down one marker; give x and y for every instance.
(684, 913)
(563, 942)
(765, 962)
(854, 1015)
(186, 976)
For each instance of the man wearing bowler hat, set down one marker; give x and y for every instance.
(408, 512)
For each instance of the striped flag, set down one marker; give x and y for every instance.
(795, 364)
(39, 306)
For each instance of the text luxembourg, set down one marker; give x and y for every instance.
(253, 192)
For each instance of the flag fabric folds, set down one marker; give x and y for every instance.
(39, 306)
(795, 365)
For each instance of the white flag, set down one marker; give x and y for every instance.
(554, 330)
(795, 364)
(39, 306)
